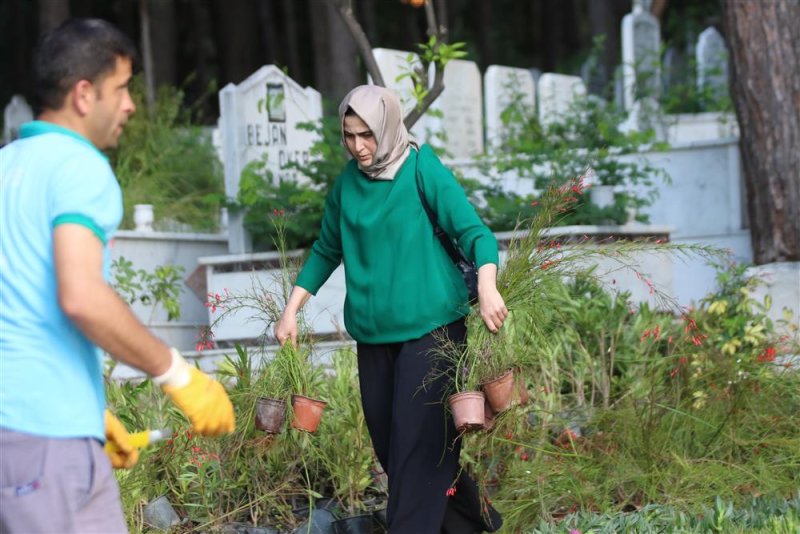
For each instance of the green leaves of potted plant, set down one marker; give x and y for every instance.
(303, 379)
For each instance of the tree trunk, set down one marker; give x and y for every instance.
(163, 41)
(51, 14)
(269, 33)
(292, 40)
(318, 20)
(237, 39)
(342, 54)
(764, 43)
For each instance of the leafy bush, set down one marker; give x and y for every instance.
(164, 160)
(588, 136)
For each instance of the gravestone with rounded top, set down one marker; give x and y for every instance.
(641, 42)
(506, 88)
(259, 120)
(712, 62)
(557, 94)
(457, 116)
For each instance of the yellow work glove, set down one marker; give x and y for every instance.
(120, 450)
(201, 398)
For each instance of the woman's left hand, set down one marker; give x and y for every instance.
(492, 306)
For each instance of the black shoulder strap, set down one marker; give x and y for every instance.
(447, 243)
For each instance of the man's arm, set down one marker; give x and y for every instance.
(107, 320)
(95, 308)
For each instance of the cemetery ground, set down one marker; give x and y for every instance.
(637, 422)
(639, 418)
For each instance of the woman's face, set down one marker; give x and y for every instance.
(359, 140)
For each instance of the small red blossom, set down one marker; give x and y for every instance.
(767, 356)
(450, 491)
(535, 203)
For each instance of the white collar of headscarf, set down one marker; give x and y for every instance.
(380, 110)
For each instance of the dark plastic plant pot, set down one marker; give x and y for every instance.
(270, 415)
(357, 524)
(319, 522)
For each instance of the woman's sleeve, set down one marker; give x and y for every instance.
(455, 214)
(326, 252)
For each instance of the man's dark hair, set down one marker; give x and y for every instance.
(79, 49)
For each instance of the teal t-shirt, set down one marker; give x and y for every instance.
(400, 282)
(51, 375)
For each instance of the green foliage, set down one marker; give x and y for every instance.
(162, 287)
(164, 160)
(687, 96)
(588, 136)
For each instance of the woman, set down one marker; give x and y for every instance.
(404, 295)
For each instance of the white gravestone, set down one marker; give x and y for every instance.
(712, 62)
(17, 113)
(641, 42)
(506, 87)
(394, 66)
(557, 94)
(258, 119)
(460, 106)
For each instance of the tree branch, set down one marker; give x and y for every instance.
(438, 86)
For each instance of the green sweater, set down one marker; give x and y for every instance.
(401, 284)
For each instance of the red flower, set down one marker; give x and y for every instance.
(767, 356)
(450, 491)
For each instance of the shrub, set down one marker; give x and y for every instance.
(164, 160)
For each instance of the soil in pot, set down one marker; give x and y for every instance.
(467, 410)
(499, 391)
(357, 524)
(307, 412)
(270, 415)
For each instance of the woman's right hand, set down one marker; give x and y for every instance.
(286, 329)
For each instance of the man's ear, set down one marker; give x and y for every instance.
(82, 97)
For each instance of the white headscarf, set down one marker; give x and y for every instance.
(380, 110)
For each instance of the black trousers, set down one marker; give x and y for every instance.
(415, 439)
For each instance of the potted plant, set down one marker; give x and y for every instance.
(270, 407)
(293, 365)
(464, 398)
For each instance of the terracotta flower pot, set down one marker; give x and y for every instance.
(307, 413)
(467, 409)
(499, 391)
(270, 415)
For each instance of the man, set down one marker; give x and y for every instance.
(60, 205)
